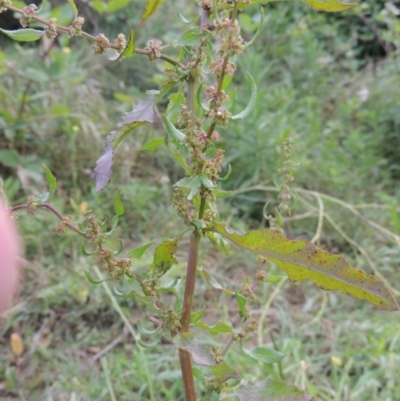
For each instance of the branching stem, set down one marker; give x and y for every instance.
(54, 211)
(62, 28)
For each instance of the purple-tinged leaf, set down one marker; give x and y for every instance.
(304, 261)
(141, 114)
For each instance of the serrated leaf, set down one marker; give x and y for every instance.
(200, 353)
(91, 279)
(24, 35)
(152, 145)
(216, 329)
(142, 113)
(51, 180)
(264, 355)
(304, 261)
(175, 135)
(251, 103)
(193, 183)
(129, 48)
(138, 252)
(195, 316)
(118, 206)
(73, 6)
(224, 372)
(164, 255)
(151, 8)
(271, 390)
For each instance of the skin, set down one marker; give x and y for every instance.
(10, 251)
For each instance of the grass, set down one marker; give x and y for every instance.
(81, 340)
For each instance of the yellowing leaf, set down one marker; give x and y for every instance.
(304, 261)
(151, 8)
(17, 345)
(330, 6)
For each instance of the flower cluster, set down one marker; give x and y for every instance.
(101, 45)
(27, 13)
(96, 238)
(172, 321)
(75, 29)
(154, 49)
(51, 31)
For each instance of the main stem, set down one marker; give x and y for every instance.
(191, 272)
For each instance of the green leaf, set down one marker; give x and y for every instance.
(241, 301)
(200, 353)
(219, 193)
(142, 113)
(129, 48)
(206, 182)
(115, 5)
(265, 355)
(143, 330)
(220, 242)
(73, 6)
(258, 32)
(164, 255)
(329, 5)
(175, 135)
(151, 8)
(174, 106)
(319, 5)
(153, 144)
(111, 54)
(190, 37)
(24, 35)
(42, 6)
(251, 103)
(304, 261)
(118, 206)
(91, 279)
(224, 372)
(193, 183)
(9, 157)
(271, 390)
(51, 180)
(138, 252)
(216, 329)
(214, 283)
(195, 316)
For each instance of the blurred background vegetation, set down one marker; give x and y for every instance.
(330, 82)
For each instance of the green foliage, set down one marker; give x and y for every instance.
(287, 102)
